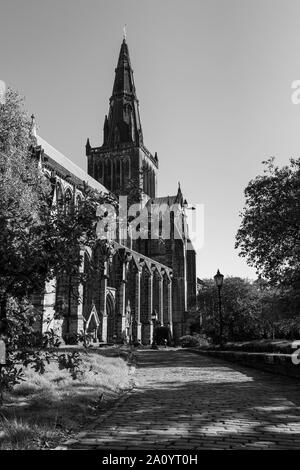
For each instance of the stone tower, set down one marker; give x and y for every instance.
(123, 159)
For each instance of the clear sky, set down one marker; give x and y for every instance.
(213, 78)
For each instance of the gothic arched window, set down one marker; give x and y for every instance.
(160, 224)
(78, 200)
(107, 173)
(126, 172)
(59, 197)
(132, 127)
(100, 174)
(152, 183)
(127, 113)
(68, 202)
(117, 136)
(145, 178)
(61, 294)
(117, 174)
(122, 184)
(95, 173)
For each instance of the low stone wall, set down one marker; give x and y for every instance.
(282, 346)
(277, 363)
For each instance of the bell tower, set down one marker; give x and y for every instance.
(123, 160)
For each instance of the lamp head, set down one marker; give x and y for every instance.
(219, 279)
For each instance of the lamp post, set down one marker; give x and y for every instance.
(219, 283)
(154, 320)
(132, 329)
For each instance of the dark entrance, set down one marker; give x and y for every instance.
(111, 318)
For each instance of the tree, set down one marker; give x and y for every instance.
(241, 309)
(38, 241)
(23, 192)
(251, 310)
(269, 235)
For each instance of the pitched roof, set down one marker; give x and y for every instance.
(71, 167)
(168, 200)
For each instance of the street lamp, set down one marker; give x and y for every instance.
(131, 329)
(154, 321)
(219, 283)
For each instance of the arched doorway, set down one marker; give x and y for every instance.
(111, 318)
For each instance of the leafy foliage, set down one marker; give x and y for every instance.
(269, 235)
(189, 341)
(250, 310)
(23, 192)
(39, 241)
(71, 362)
(287, 328)
(241, 309)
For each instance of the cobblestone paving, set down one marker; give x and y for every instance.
(188, 401)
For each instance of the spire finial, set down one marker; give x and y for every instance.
(33, 132)
(124, 32)
(87, 147)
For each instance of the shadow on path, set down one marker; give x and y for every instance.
(183, 400)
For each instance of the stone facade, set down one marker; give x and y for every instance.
(141, 276)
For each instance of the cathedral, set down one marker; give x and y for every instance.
(147, 282)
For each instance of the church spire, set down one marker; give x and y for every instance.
(32, 130)
(122, 157)
(123, 125)
(88, 146)
(124, 74)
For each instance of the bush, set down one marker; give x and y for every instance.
(189, 341)
(287, 328)
(70, 338)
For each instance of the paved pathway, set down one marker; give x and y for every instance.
(188, 401)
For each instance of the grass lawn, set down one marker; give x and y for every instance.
(45, 410)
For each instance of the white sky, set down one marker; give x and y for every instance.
(213, 78)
